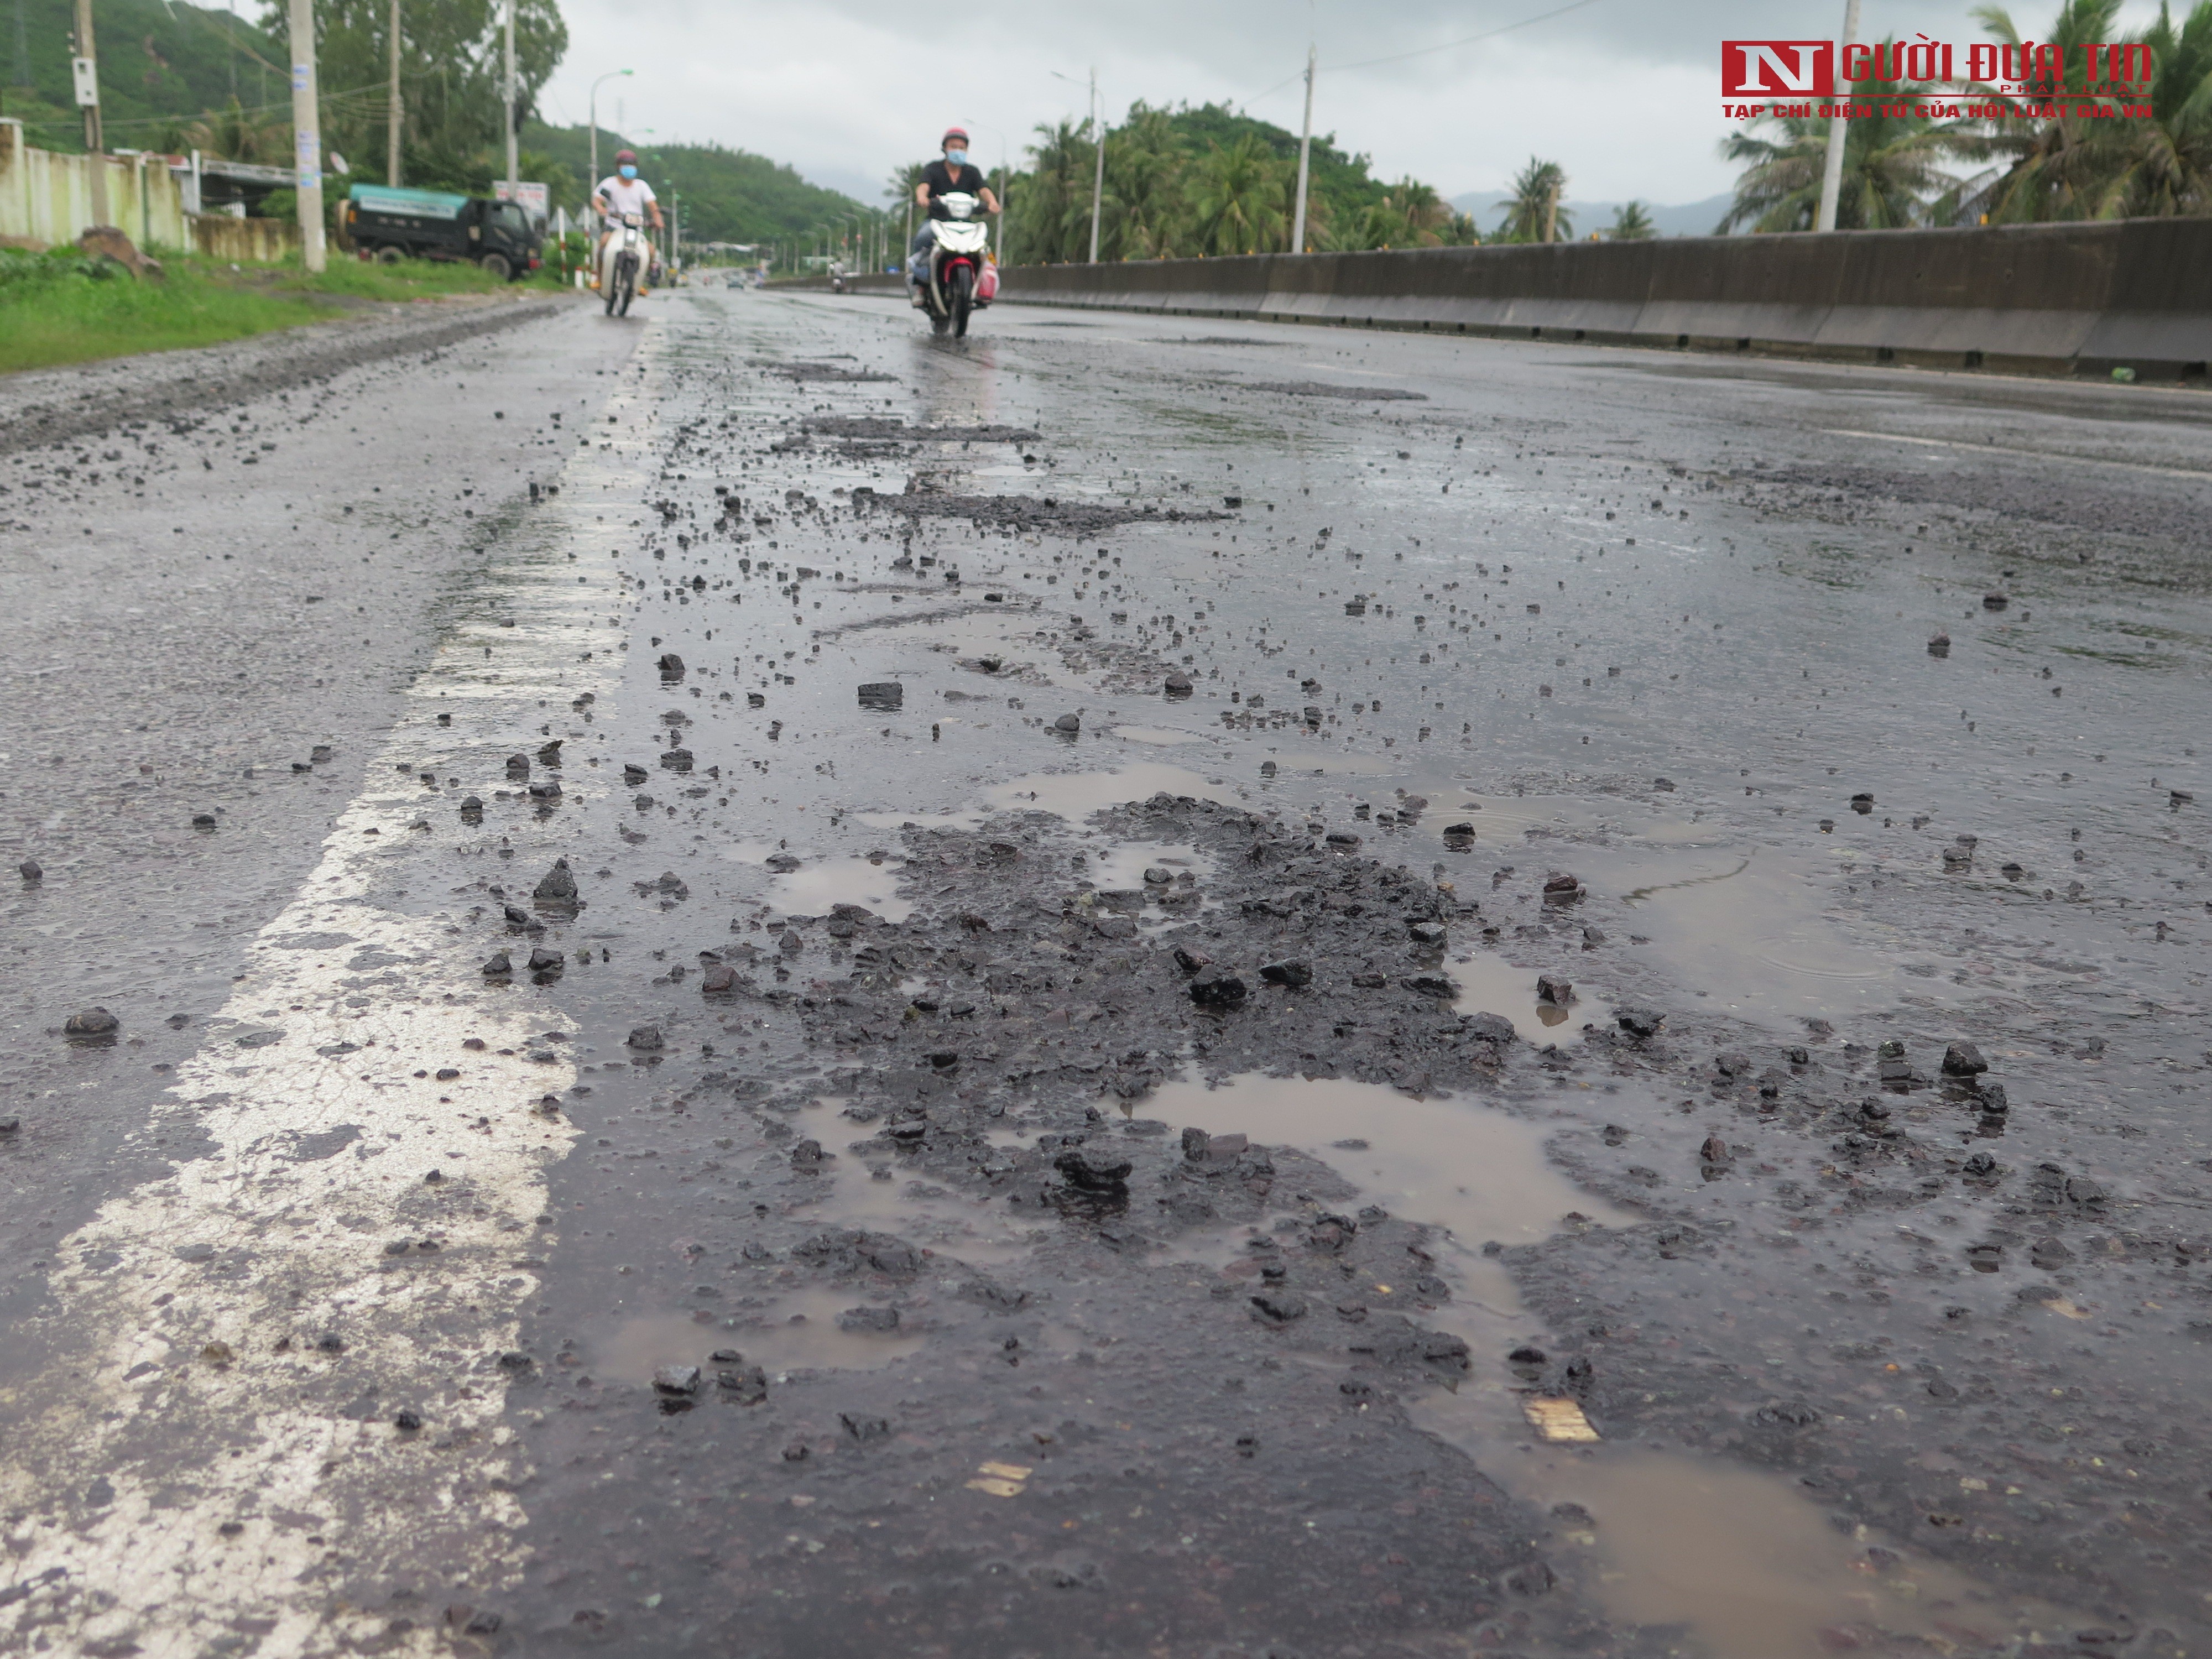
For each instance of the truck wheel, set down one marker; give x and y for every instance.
(496, 263)
(389, 255)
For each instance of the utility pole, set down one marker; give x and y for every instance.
(513, 193)
(1305, 153)
(1831, 172)
(306, 134)
(1098, 179)
(1552, 212)
(86, 73)
(396, 119)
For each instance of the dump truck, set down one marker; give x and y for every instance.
(388, 224)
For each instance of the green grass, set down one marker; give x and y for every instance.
(58, 308)
(410, 279)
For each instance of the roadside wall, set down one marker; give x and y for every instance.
(245, 241)
(45, 196)
(2047, 298)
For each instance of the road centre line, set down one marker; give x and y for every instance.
(2008, 449)
(213, 1436)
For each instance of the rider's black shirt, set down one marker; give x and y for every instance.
(943, 181)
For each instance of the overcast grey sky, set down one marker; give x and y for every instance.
(1624, 93)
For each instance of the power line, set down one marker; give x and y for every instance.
(1424, 52)
(1487, 35)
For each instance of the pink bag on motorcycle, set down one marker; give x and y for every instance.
(987, 285)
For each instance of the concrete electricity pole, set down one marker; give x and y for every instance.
(1305, 154)
(1831, 173)
(307, 135)
(86, 70)
(1098, 179)
(512, 163)
(396, 119)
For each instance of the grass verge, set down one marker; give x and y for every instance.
(58, 308)
(408, 279)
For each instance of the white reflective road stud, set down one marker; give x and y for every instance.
(212, 1446)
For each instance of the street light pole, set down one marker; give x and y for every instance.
(594, 102)
(1098, 179)
(1305, 153)
(1832, 170)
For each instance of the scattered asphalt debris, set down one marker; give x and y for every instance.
(1443, 1019)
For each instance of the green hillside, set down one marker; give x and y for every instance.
(729, 195)
(159, 65)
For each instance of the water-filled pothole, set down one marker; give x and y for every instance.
(1739, 1557)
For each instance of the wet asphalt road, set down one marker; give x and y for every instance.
(357, 1291)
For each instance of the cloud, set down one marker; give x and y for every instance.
(1625, 95)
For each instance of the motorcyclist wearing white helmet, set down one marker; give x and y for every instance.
(954, 174)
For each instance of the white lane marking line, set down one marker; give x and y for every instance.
(2008, 449)
(187, 1392)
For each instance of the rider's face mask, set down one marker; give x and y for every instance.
(955, 157)
(627, 171)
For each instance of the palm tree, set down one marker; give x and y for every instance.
(2076, 166)
(1408, 213)
(1891, 179)
(1630, 223)
(1533, 213)
(2163, 162)
(236, 135)
(1146, 215)
(898, 191)
(2055, 173)
(1053, 226)
(1237, 198)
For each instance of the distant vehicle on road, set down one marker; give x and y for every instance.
(389, 224)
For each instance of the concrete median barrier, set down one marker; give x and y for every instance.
(2036, 298)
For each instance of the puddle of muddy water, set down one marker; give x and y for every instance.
(1451, 1163)
(1077, 795)
(799, 1331)
(1164, 736)
(812, 889)
(1120, 865)
(1740, 1559)
(1071, 795)
(1491, 985)
(1737, 1557)
(936, 1218)
(1747, 926)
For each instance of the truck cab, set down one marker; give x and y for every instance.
(389, 224)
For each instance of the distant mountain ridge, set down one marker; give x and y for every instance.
(1681, 219)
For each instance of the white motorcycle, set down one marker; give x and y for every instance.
(621, 262)
(951, 286)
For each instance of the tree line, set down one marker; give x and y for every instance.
(1189, 182)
